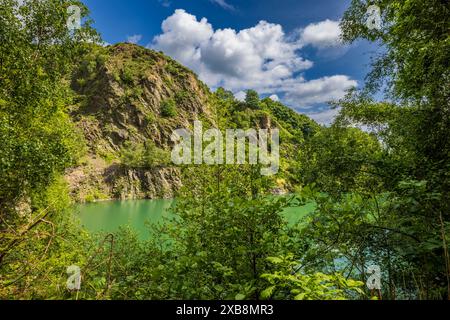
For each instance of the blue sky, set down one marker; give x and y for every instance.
(287, 49)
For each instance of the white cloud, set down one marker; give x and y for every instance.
(274, 97)
(319, 90)
(325, 117)
(223, 4)
(258, 58)
(134, 38)
(262, 58)
(325, 34)
(240, 96)
(182, 36)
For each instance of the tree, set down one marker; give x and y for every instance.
(223, 94)
(339, 160)
(224, 231)
(38, 140)
(413, 166)
(252, 99)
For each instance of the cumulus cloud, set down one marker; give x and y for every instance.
(134, 38)
(262, 58)
(321, 35)
(256, 58)
(319, 90)
(182, 36)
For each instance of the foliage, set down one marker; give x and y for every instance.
(34, 267)
(288, 283)
(341, 160)
(252, 99)
(143, 155)
(38, 139)
(127, 76)
(168, 108)
(399, 214)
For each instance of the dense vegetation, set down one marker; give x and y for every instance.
(381, 195)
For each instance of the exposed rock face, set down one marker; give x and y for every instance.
(122, 90)
(140, 183)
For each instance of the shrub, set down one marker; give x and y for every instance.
(150, 118)
(168, 108)
(127, 76)
(143, 155)
(182, 97)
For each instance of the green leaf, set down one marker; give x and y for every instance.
(300, 296)
(267, 293)
(275, 260)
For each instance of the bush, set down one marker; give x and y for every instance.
(143, 155)
(168, 108)
(150, 118)
(181, 97)
(127, 76)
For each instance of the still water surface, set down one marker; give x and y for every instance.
(111, 215)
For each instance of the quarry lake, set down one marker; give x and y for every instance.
(109, 216)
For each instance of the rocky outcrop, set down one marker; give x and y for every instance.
(121, 90)
(140, 183)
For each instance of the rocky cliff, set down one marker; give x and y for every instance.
(121, 91)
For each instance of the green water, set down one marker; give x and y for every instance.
(108, 217)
